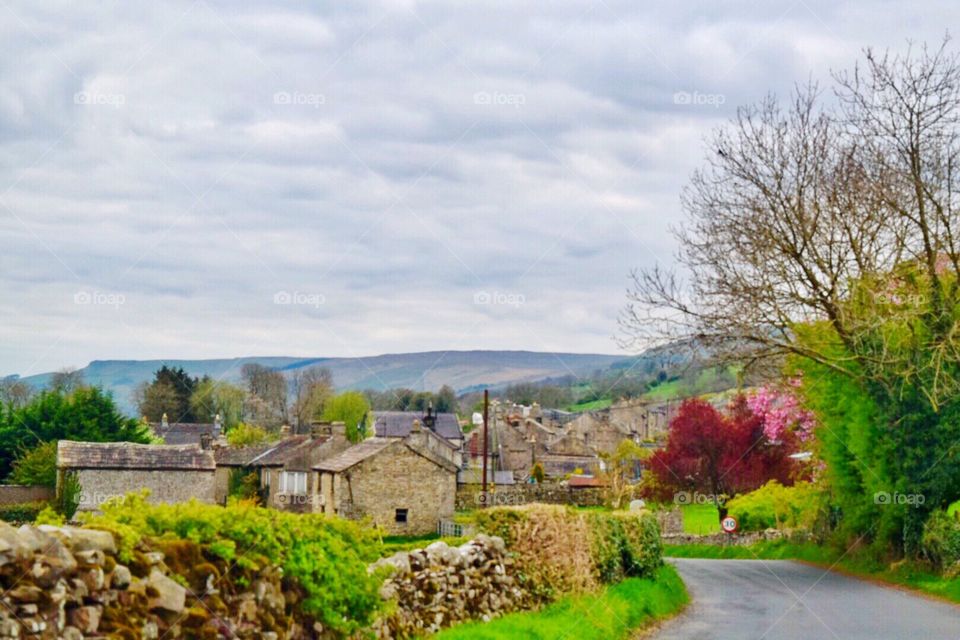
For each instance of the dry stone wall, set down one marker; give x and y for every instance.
(67, 582)
(441, 585)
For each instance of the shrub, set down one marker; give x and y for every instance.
(325, 557)
(22, 512)
(560, 550)
(37, 466)
(941, 539)
(776, 506)
(248, 435)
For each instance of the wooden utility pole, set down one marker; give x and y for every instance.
(486, 412)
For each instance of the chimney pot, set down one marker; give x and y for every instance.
(163, 420)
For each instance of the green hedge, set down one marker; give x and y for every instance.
(941, 539)
(776, 506)
(22, 512)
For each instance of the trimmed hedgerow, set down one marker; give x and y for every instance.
(22, 511)
(559, 550)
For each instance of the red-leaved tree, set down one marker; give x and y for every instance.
(718, 455)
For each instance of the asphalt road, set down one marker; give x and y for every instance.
(776, 599)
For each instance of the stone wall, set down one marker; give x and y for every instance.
(670, 521)
(67, 582)
(734, 539)
(397, 478)
(442, 585)
(99, 485)
(20, 493)
(470, 496)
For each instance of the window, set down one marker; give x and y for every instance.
(293, 482)
(401, 515)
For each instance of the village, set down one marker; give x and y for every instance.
(409, 477)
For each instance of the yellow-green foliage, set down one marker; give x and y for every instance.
(776, 506)
(560, 550)
(326, 557)
(248, 435)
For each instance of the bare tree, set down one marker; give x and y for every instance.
(14, 392)
(267, 389)
(66, 380)
(310, 388)
(803, 212)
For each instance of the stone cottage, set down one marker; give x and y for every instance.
(172, 473)
(285, 468)
(404, 485)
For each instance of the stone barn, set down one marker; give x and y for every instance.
(172, 473)
(404, 485)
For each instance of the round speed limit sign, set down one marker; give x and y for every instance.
(729, 524)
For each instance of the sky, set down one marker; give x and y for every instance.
(216, 179)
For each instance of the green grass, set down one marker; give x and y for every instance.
(592, 405)
(616, 612)
(392, 544)
(700, 519)
(911, 575)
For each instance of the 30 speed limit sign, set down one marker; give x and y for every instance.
(729, 524)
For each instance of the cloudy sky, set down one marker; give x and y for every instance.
(205, 179)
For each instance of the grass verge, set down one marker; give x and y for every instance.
(615, 612)
(910, 575)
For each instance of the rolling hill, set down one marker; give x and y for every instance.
(463, 370)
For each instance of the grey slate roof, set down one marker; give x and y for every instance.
(239, 456)
(355, 454)
(126, 455)
(397, 424)
(185, 432)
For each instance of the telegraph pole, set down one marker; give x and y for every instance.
(486, 411)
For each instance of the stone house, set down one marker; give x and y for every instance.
(186, 432)
(285, 468)
(172, 473)
(404, 485)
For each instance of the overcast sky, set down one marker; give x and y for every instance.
(204, 179)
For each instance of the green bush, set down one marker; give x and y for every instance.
(22, 512)
(776, 506)
(941, 539)
(326, 557)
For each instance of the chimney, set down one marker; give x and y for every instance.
(216, 423)
(430, 420)
(206, 441)
(321, 429)
(285, 431)
(416, 426)
(338, 429)
(163, 420)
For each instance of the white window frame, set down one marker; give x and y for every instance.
(293, 482)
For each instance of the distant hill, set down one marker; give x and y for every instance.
(463, 370)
